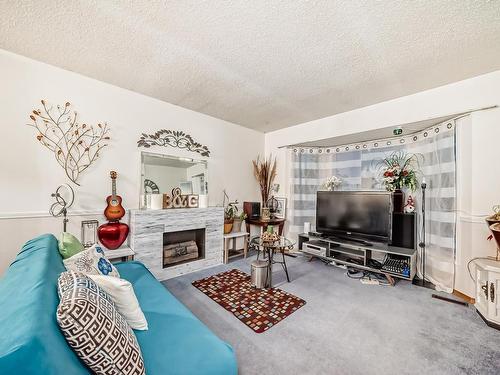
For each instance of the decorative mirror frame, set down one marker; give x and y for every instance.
(172, 157)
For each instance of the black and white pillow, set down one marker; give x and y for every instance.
(94, 329)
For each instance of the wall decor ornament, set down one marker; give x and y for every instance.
(75, 145)
(172, 138)
(64, 196)
(150, 187)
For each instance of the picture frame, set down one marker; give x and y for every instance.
(281, 210)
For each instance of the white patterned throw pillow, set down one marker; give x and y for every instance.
(122, 293)
(91, 262)
(94, 329)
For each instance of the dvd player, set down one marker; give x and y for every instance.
(315, 248)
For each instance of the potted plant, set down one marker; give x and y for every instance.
(399, 171)
(230, 212)
(238, 220)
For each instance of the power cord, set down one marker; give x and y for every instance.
(356, 274)
(353, 272)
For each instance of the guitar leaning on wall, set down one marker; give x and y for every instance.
(113, 234)
(114, 211)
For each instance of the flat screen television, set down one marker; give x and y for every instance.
(364, 215)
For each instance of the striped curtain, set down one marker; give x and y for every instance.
(358, 165)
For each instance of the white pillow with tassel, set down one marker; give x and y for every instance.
(123, 295)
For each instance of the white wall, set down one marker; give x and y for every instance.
(29, 172)
(477, 143)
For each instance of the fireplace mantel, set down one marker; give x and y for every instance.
(146, 237)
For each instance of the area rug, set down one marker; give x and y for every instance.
(259, 309)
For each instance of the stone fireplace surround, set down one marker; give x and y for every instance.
(146, 237)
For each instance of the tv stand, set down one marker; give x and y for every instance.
(358, 254)
(349, 239)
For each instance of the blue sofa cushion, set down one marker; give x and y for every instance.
(30, 339)
(176, 342)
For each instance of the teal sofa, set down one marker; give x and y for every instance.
(31, 342)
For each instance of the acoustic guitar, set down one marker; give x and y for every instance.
(114, 211)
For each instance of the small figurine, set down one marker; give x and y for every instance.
(410, 205)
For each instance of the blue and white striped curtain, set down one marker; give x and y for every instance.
(358, 165)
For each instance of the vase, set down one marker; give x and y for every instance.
(266, 214)
(113, 234)
(490, 220)
(494, 227)
(495, 230)
(228, 225)
(237, 225)
(398, 201)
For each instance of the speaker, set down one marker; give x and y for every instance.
(252, 209)
(404, 230)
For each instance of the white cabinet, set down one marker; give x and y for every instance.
(487, 291)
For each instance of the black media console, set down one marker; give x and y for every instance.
(397, 259)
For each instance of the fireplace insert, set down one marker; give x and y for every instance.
(183, 246)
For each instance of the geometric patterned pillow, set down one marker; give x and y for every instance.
(94, 329)
(91, 261)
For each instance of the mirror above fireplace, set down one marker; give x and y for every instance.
(162, 173)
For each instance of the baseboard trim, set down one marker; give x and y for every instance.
(465, 297)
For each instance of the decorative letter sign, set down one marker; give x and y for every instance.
(177, 200)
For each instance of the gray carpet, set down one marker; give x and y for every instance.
(350, 328)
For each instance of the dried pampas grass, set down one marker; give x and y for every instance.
(265, 173)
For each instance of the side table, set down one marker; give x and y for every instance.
(487, 291)
(122, 254)
(269, 249)
(280, 223)
(232, 237)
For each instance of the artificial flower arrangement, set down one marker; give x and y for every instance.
(332, 182)
(496, 214)
(265, 173)
(270, 235)
(400, 171)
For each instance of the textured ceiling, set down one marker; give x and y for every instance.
(263, 64)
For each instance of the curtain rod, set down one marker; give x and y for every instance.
(456, 115)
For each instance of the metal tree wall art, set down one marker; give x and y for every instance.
(75, 146)
(172, 138)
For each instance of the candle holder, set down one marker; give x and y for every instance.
(89, 232)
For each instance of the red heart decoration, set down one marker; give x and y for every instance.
(112, 235)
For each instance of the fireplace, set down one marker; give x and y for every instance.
(183, 246)
(151, 229)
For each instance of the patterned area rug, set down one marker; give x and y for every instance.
(259, 309)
